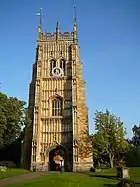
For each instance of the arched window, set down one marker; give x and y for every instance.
(63, 66)
(52, 65)
(56, 107)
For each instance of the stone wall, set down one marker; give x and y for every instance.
(82, 166)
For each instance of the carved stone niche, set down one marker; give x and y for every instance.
(36, 109)
(34, 142)
(74, 62)
(74, 82)
(74, 47)
(39, 63)
(38, 82)
(75, 143)
(40, 47)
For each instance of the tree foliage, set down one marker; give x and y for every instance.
(136, 135)
(12, 117)
(109, 138)
(133, 158)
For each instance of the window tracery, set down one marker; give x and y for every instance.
(63, 66)
(57, 107)
(52, 65)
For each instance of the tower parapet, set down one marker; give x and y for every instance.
(50, 36)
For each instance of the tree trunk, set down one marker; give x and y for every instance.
(111, 158)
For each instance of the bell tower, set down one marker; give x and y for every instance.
(57, 104)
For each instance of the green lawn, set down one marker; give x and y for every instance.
(107, 177)
(67, 180)
(135, 173)
(105, 172)
(12, 172)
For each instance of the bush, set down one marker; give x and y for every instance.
(92, 169)
(8, 164)
(127, 183)
(133, 159)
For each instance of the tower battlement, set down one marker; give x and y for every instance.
(49, 36)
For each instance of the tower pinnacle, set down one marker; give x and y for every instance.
(57, 30)
(74, 14)
(57, 27)
(75, 26)
(40, 20)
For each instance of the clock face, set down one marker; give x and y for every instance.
(57, 72)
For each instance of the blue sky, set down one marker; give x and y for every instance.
(109, 39)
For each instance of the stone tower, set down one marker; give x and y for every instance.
(56, 104)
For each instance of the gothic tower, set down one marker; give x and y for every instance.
(56, 104)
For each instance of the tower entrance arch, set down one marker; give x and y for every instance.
(57, 157)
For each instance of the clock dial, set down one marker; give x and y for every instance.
(57, 72)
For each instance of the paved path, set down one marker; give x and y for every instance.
(16, 179)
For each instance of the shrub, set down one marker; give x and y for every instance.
(92, 169)
(8, 164)
(133, 159)
(127, 183)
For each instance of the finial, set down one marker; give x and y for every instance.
(75, 25)
(74, 12)
(57, 27)
(40, 15)
(57, 31)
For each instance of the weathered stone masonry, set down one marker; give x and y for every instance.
(57, 104)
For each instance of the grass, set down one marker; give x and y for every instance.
(135, 173)
(105, 172)
(66, 180)
(12, 172)
(107, 177)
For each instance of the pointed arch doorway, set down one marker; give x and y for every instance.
(53, 153)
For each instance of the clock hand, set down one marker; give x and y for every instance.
(57, 71)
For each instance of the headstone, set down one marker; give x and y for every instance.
(98, 170)
(123, 172)
(3, 168)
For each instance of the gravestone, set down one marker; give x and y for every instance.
(123, 172)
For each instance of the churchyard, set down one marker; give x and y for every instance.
(110, 149)
(9, 172)
(105, 177)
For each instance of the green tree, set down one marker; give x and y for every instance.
(133, 158)
(136, 135)
(12, 152)
(98, 152)
(12, 117)
(110, 135)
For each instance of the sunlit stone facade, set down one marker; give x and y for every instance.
(56, 103)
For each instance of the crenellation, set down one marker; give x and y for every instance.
(61, 36)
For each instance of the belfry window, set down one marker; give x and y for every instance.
(56, 107)
(63, 66)
(52, 65)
